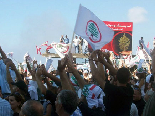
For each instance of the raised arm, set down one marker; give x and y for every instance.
(9, 79)
(109, 66)
(13, 67)
(63, 76)
(76, 74)
(52, 77)
(96, 74)
(39, 82)
(32, 71)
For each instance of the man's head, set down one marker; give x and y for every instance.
(31, 108)
(85, 73)
(66, 102)
(21, 86)
(123, 75)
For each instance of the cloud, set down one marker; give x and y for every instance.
(137, 14)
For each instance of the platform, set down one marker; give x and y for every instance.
(53, 55)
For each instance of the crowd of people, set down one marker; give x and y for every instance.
(104, 90)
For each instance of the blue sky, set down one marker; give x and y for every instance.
(27, 23)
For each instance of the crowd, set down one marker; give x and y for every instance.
(104, 90)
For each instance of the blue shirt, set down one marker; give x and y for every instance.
(66, 40)
(5, 108)
(3, 80)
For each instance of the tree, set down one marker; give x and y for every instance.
(92, 29)
(124, 43)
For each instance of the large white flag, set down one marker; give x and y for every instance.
(91, 28)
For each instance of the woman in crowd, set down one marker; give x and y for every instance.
(16, 101)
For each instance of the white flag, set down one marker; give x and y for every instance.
(28, 57)
(61, 49)
(91, 28)
(48, 63)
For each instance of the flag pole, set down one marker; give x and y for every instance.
(74, 30)
(71, 43)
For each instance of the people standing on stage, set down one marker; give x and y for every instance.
(85, 46)
(76, 42)
(61, 39)
(66, 40)
(80, 45)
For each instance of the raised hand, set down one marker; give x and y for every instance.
(43, 69)
(62, 63)
(70, 63)
(39, 72)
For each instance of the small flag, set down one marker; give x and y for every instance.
(49, 47)
(45, 44)
(148, 45)
(28, 57)
(38, 50)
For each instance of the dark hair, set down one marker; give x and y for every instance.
(69, 100)
(30, 108)
(123, 75)
(19, 98)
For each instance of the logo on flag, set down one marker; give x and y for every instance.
(93, 32)
(62, 48)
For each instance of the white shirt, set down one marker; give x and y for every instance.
(32, 89)
(85, 42)
(148, 78)
(133, 110)
(142, 88)
(76, 41)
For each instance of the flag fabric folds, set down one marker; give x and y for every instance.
(45, 44)
(92, 29)
(28, 57)
(49, 47)
(61, 49)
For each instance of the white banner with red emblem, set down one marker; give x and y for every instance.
(61, 48)
(92, 29)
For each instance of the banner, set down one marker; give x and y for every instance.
(92, 29)
(122, 39)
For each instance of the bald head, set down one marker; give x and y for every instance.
(32, 108)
